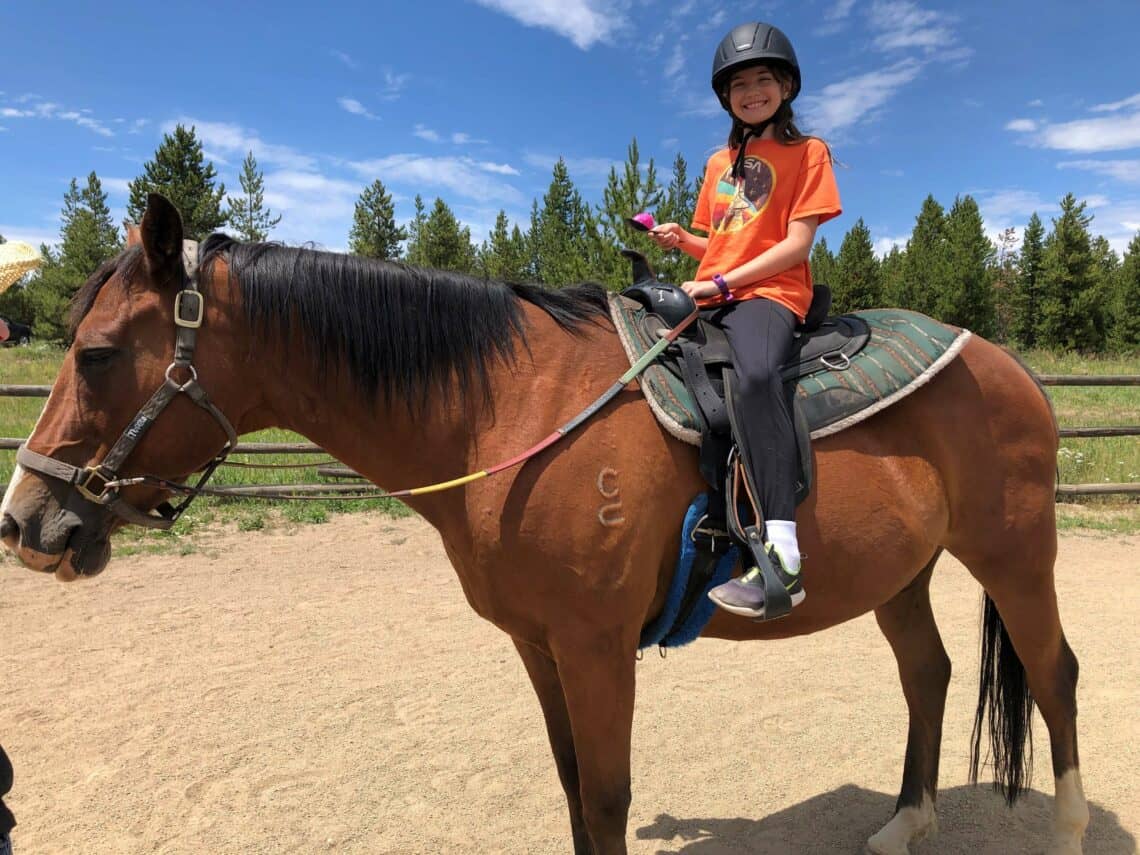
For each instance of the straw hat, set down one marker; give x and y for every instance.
(16, 259)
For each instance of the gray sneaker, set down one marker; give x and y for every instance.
(744, 595)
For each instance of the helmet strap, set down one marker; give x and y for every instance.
(750, 132)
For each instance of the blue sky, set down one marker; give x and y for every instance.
(1015, 102)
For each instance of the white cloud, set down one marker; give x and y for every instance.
(1036, 102)
(1021, 125)
(1118, 223)
(882, 246)
(50, 110)
(900, 24)
(456, 137)
(1133, 102)
(233, 141)
(459, 175)
(1108, 134)
(393, 85)
(584, 22)
(116, 186)
(312, 206)
(1127, 171)
(351, 105)
(1001, 208)
(675, 64)
(215, 158)
(345, 58)
(839, 10)
(1096, 201)
(581, 169)
(498, 168)
(29, 234)
(843, 104)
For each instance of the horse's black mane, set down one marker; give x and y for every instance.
(401, 332)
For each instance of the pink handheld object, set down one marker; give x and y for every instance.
(643, 222)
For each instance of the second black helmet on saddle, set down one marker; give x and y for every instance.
(752, 44)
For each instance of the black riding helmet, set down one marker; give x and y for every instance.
(752, 44)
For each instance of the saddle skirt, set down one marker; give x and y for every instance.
(873, 359)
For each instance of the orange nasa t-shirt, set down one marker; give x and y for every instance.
(780, 183)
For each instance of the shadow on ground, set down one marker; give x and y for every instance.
(972, 821)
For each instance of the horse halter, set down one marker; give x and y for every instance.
(100, 482)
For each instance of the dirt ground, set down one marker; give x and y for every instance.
(328, 689)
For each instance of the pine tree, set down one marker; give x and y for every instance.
(857, 272)
(563, 232)
(927, 265)
(374, 231)
(503, 257)
(892, 272)
(414, 249)
(180, 173)
(1066, 276)
(247, 213)
(822, 263)
(969, 300)
(1124, 333)
(88, 237)
(1005, 275)
(1096, 303)
(678, 206)
(1026, 302)
(623, 197)
(444, 243)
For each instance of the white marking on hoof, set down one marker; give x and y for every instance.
(1070, 814)
(909, 825)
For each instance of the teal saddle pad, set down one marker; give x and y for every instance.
(906, 349)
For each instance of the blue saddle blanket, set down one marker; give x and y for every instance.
(661, 630)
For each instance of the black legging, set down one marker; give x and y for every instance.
(761, 334)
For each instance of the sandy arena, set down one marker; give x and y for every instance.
(329, 689)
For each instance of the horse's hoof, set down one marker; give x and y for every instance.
(909, 825)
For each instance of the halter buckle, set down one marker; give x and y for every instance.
(83, 485)
(188, 309)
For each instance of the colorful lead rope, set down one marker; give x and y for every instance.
(640, 365)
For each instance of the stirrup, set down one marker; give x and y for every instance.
(777, 598)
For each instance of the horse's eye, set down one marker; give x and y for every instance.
(96, 357)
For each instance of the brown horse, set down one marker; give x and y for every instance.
(413, 376)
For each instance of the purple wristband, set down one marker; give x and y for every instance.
(718, 280)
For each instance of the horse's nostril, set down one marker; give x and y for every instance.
(9, 531)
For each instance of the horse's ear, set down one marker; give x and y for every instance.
(134, 235)
(161, 235)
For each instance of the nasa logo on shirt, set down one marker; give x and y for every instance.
(736, 204)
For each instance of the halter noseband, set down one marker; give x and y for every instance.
(100, 482)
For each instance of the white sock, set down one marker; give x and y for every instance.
(782, 535)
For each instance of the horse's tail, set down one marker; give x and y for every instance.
(1003, 693)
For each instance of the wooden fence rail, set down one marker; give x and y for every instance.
(337, 471)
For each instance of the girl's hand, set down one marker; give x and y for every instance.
(667, 235)
(700, 290)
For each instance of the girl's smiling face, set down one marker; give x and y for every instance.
(755, 94)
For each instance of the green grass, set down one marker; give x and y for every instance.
(1083, 461)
